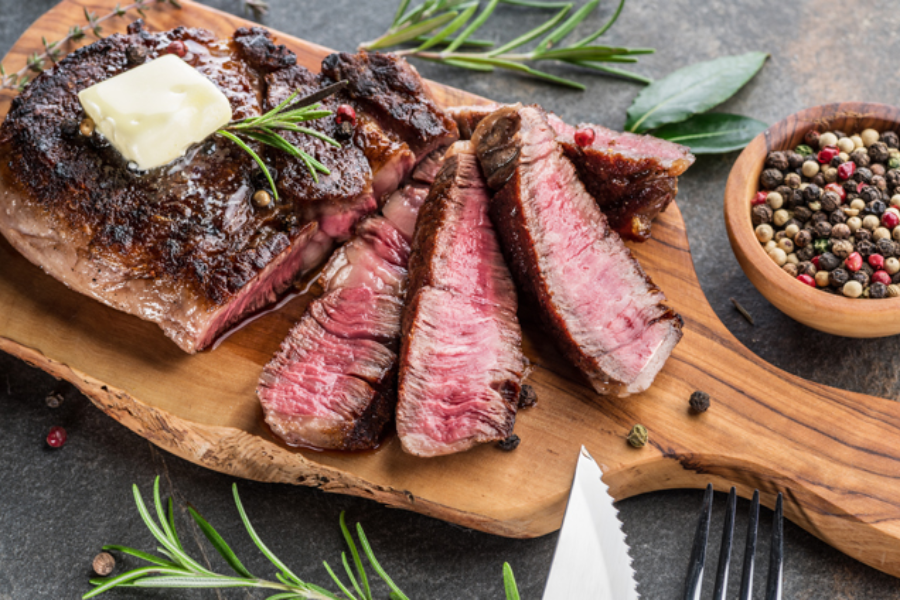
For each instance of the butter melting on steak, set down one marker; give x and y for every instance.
(461, 362)
(332, 383)
(604, 312)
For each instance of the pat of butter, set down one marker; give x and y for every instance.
(154, 112)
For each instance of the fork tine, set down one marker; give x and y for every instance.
(725, 550)
(750, 550)
(694, 581)
(776, 558)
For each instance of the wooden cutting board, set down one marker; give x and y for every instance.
(834, 454)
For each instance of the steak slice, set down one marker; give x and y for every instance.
(332, 383)
(183, 245)
(606, 315)
(461, 362)
(632, 177)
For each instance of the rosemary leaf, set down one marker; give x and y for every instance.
(117, 581)
(467, 42)
(139, 554)
(376, 565)
(450, 29)
(566, 28)
(473, 27)
(603, 29)
(534, 33)
(338, 582)
(172, 525)
(361, 571)
(220, 544)
(509, 583)
(399, 14)
(613, 71)
(585, 53)
(531, 4)
(254, 155)
(411, 32)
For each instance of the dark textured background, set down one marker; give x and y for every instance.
(58, 507)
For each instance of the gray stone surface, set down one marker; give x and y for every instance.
(58, 507)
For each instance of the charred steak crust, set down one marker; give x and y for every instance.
(393, 93)
(461, 362)
(511, 144)
(261, 52)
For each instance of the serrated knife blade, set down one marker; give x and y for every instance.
(591, 561)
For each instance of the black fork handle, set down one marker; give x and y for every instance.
(694, 581)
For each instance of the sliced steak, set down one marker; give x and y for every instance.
(605, 313)
(182, 245)
(461, 362)
(332, 384)
(632, 177)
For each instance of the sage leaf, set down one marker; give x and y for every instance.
(712, 133)
(691, 90)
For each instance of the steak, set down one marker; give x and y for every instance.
(182, 245)
(332, 383)
(461, 361)
(632, 177)
(606, 315)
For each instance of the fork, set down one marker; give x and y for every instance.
(694, 580)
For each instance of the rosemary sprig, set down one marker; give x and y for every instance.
(433, 23)
(259, 8)
(285, 117)
(176, 569)
(36, 62)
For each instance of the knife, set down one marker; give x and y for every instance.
(591, 561)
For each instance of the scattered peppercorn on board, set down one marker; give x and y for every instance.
(840, 482)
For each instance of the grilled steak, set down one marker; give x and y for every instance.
(632, 177)
(182, 245)
(605, 313)
(332, 383)
(461, 361)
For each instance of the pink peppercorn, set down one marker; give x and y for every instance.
(826, 154)
(846, 170)
(860, 186)
(760, 198)
(815, 261)
(890, 219)
(804, 278)
(853, 262)
(177, 48)
(57, 437)
(584, 137)
(881, 277)
(345, 112)
(837, 189)
(876, 261)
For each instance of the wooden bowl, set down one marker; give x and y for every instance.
(838, 315)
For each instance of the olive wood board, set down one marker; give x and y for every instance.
(834, 454)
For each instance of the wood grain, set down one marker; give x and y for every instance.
(838, 315)
(835, 454)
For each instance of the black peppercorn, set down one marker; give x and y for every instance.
(865, 247)
(870, 193)
(761, 214)
(885, 247)
(862, 277)
(806, 253)
(802, 214)
(862, 235)
(812, 138)
(510, 443)
(892, 178)
(343, 131)
(849, 188)
(890, 139)
(895, 278)
(795, 159)
(836, 161)
(823, 229)
(771, 179)
(778, 160)
(863, 175)
(828, 262)
(878, 290)
(875, 207)
(837, 216)
(867, 269)
(818, 217)
(838, 278)
(70, 128)
(840, 231)
(527, 397)
(812, 193)
(830, 200)
(806, 267)
(879, 182)
(792, 180)
(803, 238)
(839, 134)
(878, 152)
(699, 401)
(877, 169)
(135, 55)
(861, 158)
(819, 180)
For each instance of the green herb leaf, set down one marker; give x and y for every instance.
(450, 29)
(691, 90)
(473, 27)
(411, 32)
(566, 28)
(712, 133)
(220, 544)
(534, 33)
(361, 571)
(396, 591)
(509, 583)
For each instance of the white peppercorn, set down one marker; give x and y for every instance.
(810, 168)
(858, 203)
(830, 174)
(842, 248)
(846, 145)
(782, 216)
(828, 139)
(854, 223)
(893, 290)
(870, 222)
(815, 206)
(852, 289)
(896, 233)
(775, 200)
(822, 279)
(892, 265)
(857, 141)
(881, 233)
(790, 269)
(786, 245)
(895, 200)
(778, 255)
(869, 137)
(764, 232)
(770, 245)
(793, 259)
(793, 229)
